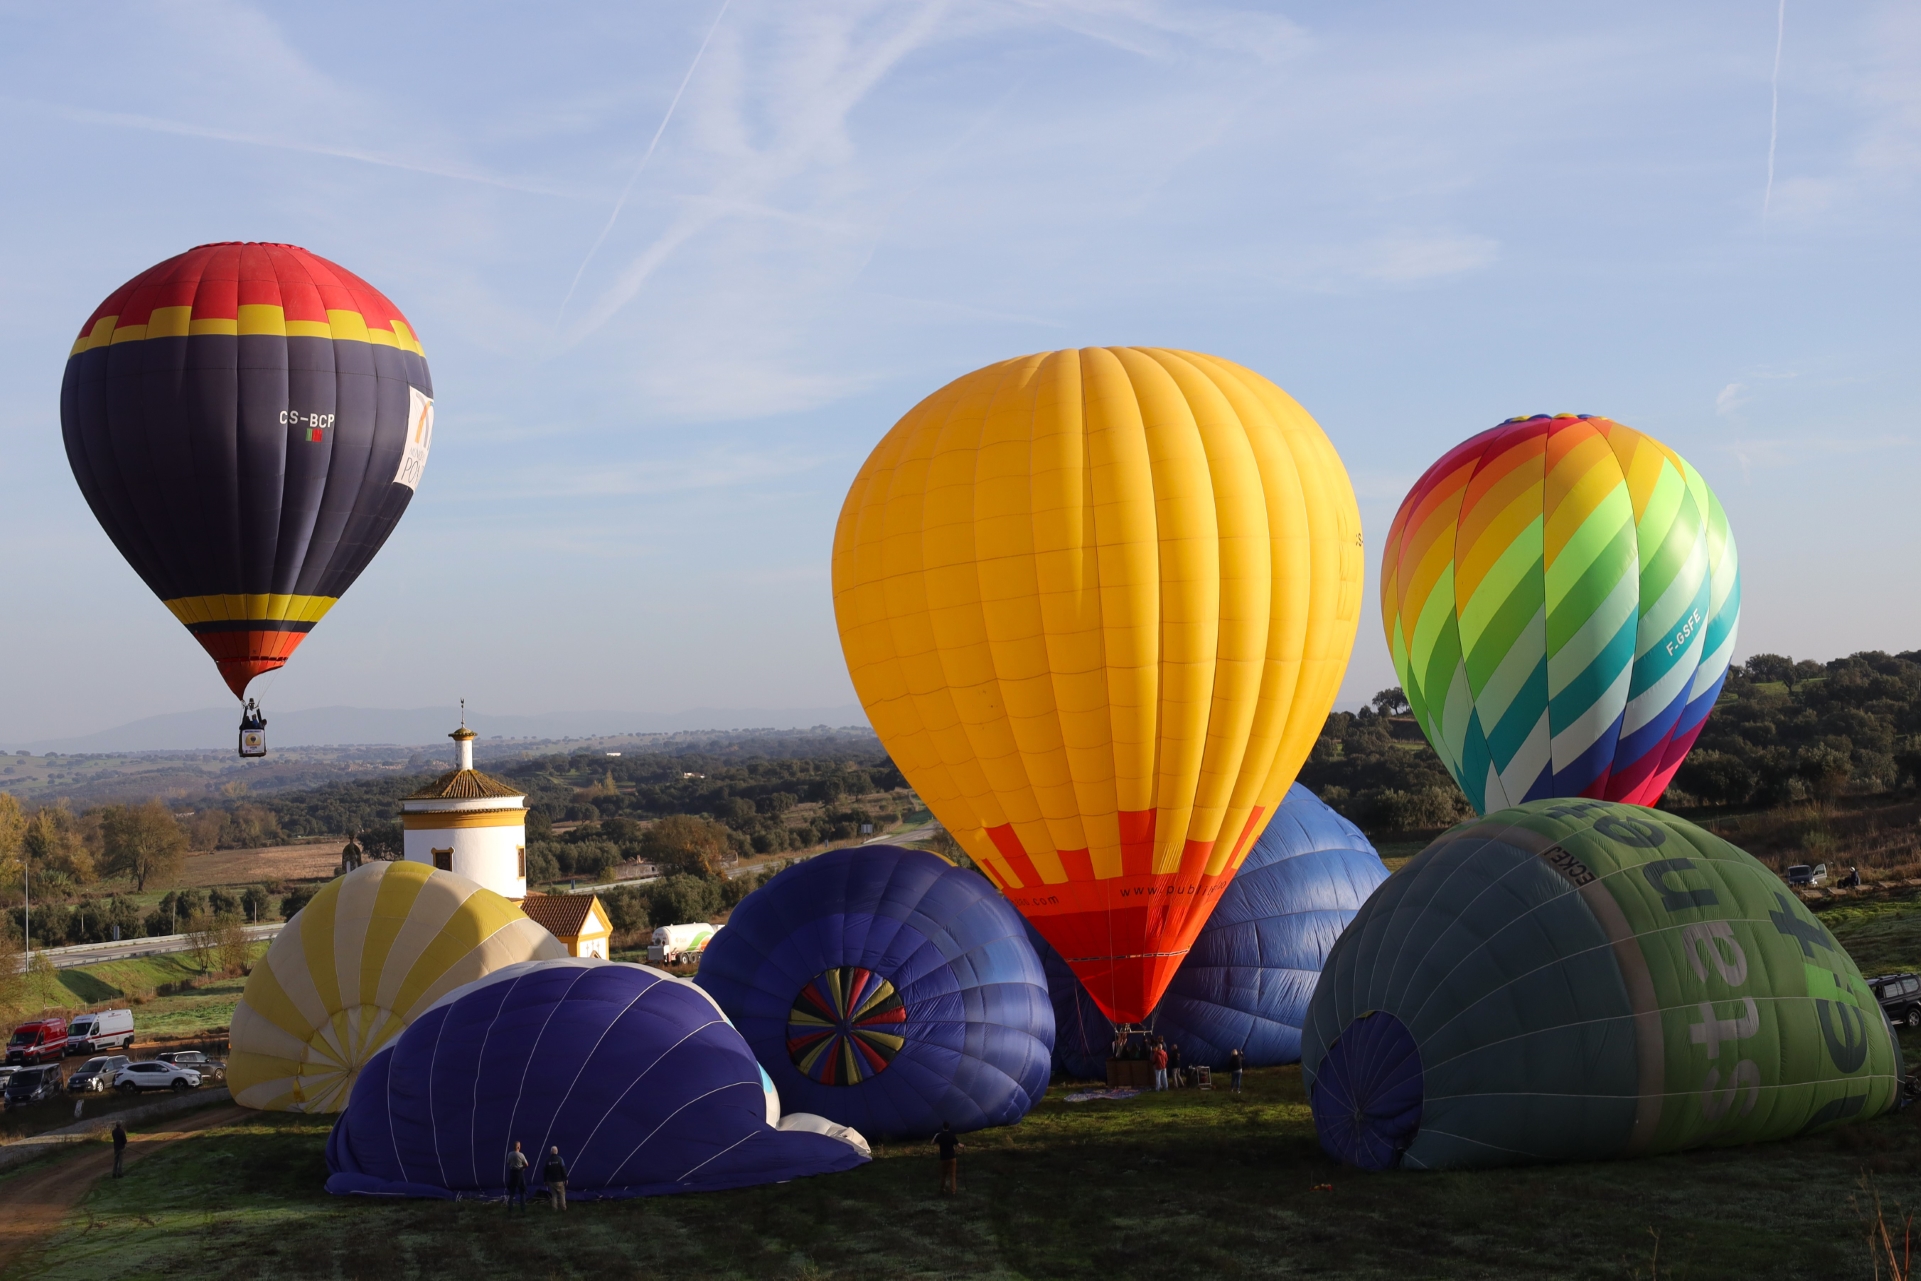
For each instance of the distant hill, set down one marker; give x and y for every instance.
(213, 728)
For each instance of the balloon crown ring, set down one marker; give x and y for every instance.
(845, 1026)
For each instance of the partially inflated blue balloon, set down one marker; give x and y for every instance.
(886, 989)
(635, 1076)
(1246, 981)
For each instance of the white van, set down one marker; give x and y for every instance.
(105, 1030)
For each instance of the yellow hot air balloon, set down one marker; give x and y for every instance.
(353, 967)
(1097, 605)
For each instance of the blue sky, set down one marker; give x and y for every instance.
(1419, 219)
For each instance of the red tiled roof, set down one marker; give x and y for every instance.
(563, 915)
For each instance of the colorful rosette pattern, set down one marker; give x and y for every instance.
(845, 1026)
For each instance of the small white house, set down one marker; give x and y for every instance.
(470, 824)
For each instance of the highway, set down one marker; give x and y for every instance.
(67, 958)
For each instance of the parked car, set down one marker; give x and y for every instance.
(102, 1030)
(154, 1075)
(31, 1085)
(1802, 874)
(1900, 996)
(194, 1059)
(41, 1041)
(96, 1074)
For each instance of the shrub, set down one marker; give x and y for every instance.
(297, 898)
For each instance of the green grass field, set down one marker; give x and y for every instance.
(1187, 1184)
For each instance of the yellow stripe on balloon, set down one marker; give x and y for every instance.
(350, 971)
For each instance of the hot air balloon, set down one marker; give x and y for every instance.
(1570, 979)
(1246, 981)
(888, 990)
(1097, 605)
(353, 968)
(247, 422)
(634, 1075)
(1560, 597)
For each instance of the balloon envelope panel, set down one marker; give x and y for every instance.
(1247, 979)
(1574, 979)
(351, 969)
(1560, 597)
(247, 422)
(1097, 604)
(635, 1076)
(886, 989)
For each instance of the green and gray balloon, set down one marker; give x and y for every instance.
(1576, 979)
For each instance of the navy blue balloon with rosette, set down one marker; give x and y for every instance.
(888, 990)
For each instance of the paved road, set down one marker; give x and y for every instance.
(67, 958)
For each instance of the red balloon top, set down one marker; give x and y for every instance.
(208, 288)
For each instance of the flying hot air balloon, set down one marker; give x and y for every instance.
(247, 422)
(1097, 604)
(1560, 596)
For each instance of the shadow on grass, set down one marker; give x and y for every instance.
(87, 988)
(1182, 1185)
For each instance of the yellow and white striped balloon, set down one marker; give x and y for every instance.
(353, 967)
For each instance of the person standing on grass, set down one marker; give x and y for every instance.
(1174, 1076)
(555, 1172)
(119, 1148)
(1160, 1065)
(1235, 1062)
(516, 1178)
(950, 1145)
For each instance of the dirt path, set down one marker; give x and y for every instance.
(37, 1201)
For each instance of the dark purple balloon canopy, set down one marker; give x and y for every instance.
(635, 1076)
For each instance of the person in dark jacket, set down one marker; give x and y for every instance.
(1235, 1062)
(950, 1145)
(119, 1148)
(516, 1178)
(555, 1172)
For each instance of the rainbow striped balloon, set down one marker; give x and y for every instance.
(1560, 597)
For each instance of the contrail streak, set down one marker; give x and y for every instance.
(645, 157)
(1774, 107)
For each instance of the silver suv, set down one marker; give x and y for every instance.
(96, 1074)
(136, 1077)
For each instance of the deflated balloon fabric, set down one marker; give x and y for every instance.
(1246, 982)
(1097, 605)
(1576, 980)
(1560, 596)
(888, 990)
(248, 422)
(634, 1075)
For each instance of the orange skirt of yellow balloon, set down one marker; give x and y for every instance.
(1097, 605)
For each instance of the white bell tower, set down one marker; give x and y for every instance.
(470, 823)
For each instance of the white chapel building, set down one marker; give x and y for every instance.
(470, 824)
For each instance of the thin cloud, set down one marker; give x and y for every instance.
(838, 78)
(647, 155)
(386, 160)
(1400, 260)
(1789, 451)
(1774, 102)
